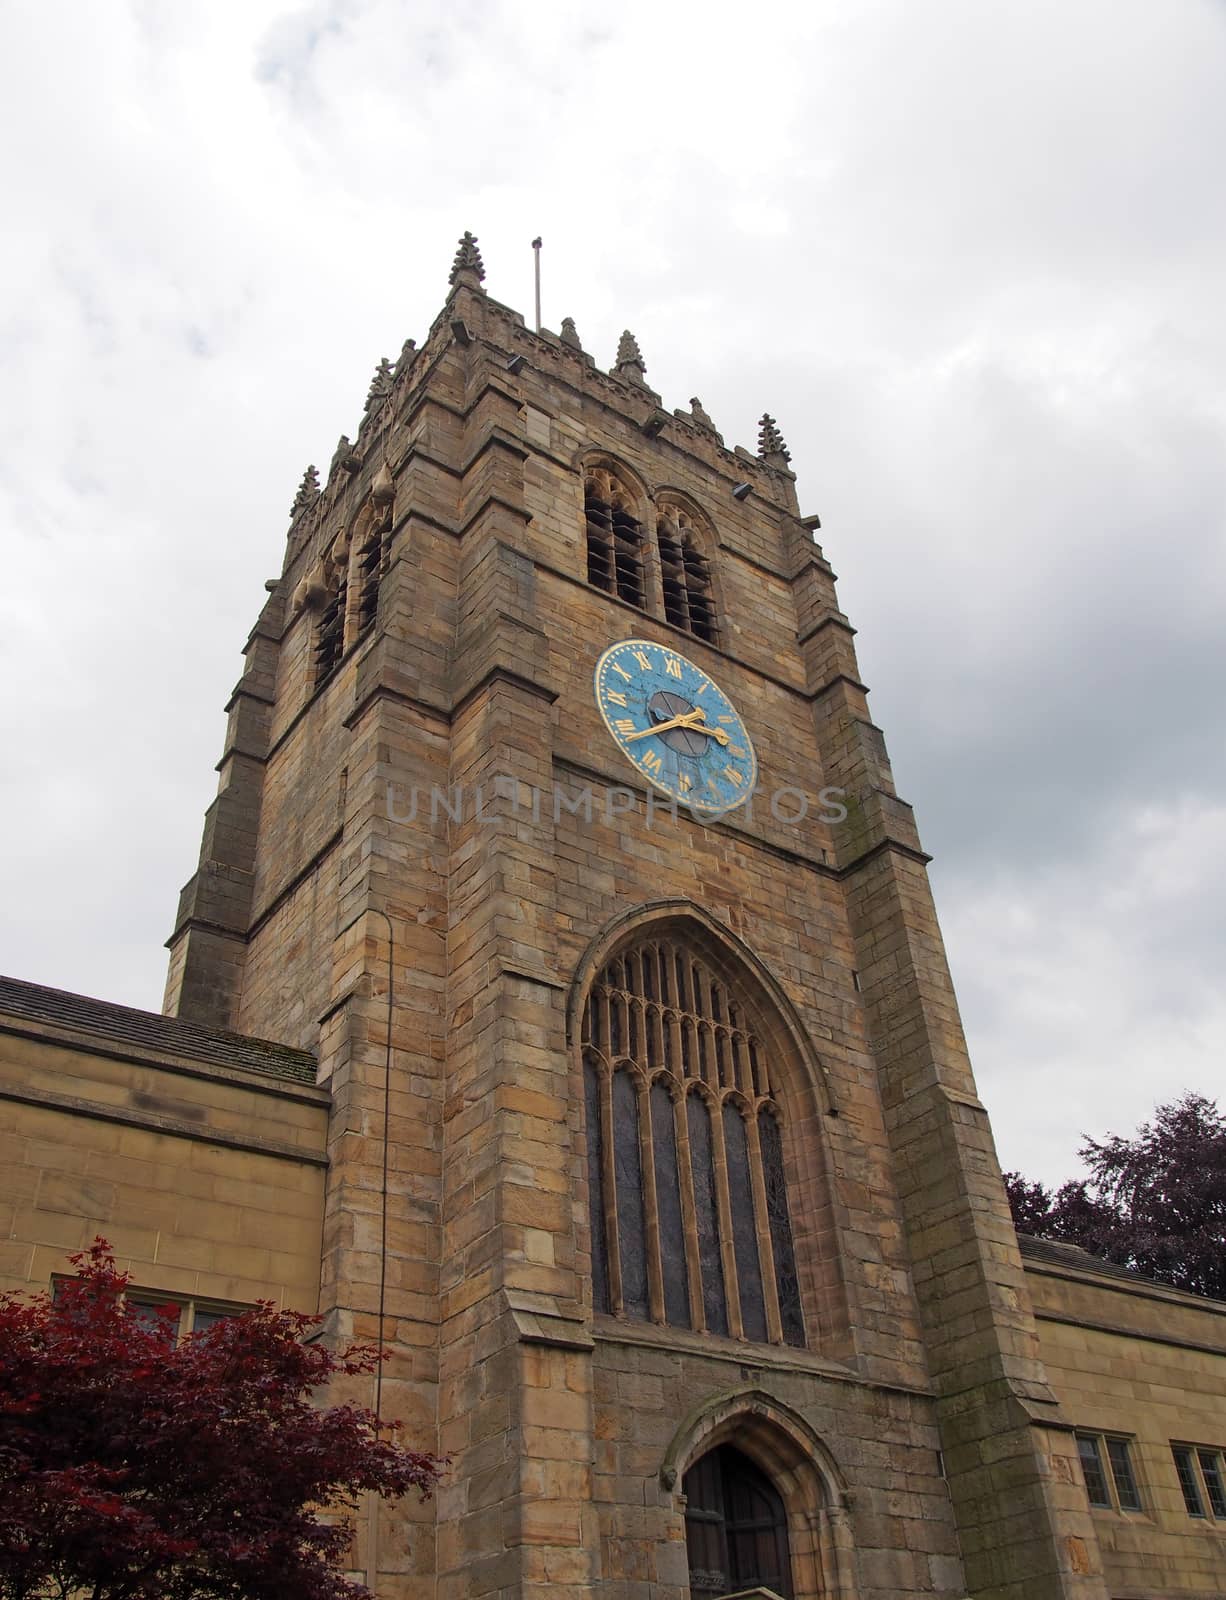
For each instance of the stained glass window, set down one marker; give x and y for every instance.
(678, 1091)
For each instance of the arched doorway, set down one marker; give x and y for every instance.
(735, 1527)
(760, 1501)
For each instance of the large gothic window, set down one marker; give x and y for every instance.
(689, 1204)
(736, 1530)
(685, 574)
(614, 538)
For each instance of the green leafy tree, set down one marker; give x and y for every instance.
(1155, 1202)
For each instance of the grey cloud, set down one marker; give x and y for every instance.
(969, 255)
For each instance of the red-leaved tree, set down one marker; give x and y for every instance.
(1155, 1202)
(133, 1467)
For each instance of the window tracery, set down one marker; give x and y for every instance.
(330, 630)
(370, 567)
(688, 1196)
(345, 588)
(614, 538)
(685, 574)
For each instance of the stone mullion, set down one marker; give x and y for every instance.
(651, 1213)
(759, 1077)
(655, 1051)
(740, 1060)
(667, 978)
(723, 1204)
(689, 1220)
(762, 1228)
(705, 1044)
(673, 1023)
(702, 1010)
(691, 1063)
(638, 1048)
(608, 1187)
(604, 1037)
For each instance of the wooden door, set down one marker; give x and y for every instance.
(735, 1527)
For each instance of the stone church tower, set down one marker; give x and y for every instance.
(655, 1155)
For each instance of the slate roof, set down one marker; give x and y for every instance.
(152, 1031)
(1059, 1254)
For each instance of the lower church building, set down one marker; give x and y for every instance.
(560, 1002)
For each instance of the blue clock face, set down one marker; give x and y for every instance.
(676, 725)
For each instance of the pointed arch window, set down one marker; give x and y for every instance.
(685, 573)
(689, 1205)
(330, 630)
(614, 538)
(370, 562)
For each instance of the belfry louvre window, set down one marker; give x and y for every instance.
(371, 565)
(685, 574)
(689, 1208)
(614, 539)
(330, 635)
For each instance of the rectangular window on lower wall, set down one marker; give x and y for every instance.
(1202, 1480)
(1106, 1466)
(176, 1315)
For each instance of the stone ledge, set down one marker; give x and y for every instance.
(742, 1353)
(538, 1321)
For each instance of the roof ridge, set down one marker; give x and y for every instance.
(39, 1002)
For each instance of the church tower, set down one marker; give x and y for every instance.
(552, 820)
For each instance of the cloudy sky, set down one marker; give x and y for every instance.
(971, 255)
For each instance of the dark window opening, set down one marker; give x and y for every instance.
(629, 1173)
(1202, 1480)
(1121, 1472)
(372, 564)
(1106, 1466)
(330, 636)
(787, 1284)
(685, 575)
(1187, 1482)
(668, 1204)
(706, 1214)
(1092, 1470)
(1211, 1467)
(614, 540)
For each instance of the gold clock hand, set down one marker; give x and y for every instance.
(692, 720)
(685, 721)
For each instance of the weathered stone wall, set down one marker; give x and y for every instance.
(1149, 1364)
(475, 919)
(207, 1181)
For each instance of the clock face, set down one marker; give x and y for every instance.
(676, 725)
